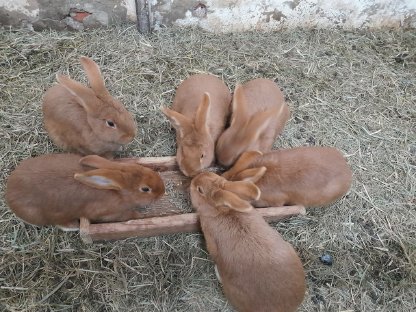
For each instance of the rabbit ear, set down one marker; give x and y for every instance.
(201, 117)
(96, 161)
(177, 120)
(245, 159)
(223, 198)
(259, 123)
(104, 179)
(239, 109)
(245, 190)
(84, 95)
(94, 75)
(250, 175)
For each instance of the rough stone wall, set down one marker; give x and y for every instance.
(60, 14)
(212, 15)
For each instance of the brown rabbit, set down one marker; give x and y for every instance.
(258, 269)
(259, 114)
(199, 112)
(86, 120)
(308, 176)
(58, 189)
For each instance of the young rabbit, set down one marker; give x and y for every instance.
(258, 269)
(58, 189)
(308, 176)
(199, 113)
(259, 114)
(86, 120)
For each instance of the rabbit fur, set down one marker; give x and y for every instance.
(259, 270)
(199, 112)
(259, 114)
(86, 120)
(308, 176)
(58, 189)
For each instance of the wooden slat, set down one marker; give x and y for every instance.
(167, 163)
(181, 223)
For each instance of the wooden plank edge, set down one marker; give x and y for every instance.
(156, 226)
(165, 163)
(161, 164)
(84, 230)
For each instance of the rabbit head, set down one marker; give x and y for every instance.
(195, 146)
(212, 195)
(106, 116)
(244, 131)
(137, 185)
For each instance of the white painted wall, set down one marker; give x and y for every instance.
(130, 5)
(240, 15)
(26, 7)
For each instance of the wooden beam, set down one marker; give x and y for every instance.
(155, 226)
(143, 16)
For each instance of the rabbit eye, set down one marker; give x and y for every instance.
(202, 155)
(110, 124)
(145, 189)
(200, 190)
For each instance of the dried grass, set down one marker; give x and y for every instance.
(352, 90)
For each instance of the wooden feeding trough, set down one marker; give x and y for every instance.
(168, 215)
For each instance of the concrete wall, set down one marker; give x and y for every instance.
(212, 15)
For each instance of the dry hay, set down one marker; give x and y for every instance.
(351, 90)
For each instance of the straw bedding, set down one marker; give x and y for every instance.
(352, 90)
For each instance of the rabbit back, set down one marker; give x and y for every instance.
(259, 270)
(259, 114)
(38, 188)
(188, 98)
(66, 121)
(309, 176)
(45, 191)
(263, 94)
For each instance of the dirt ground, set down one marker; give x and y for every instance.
(352, 90)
